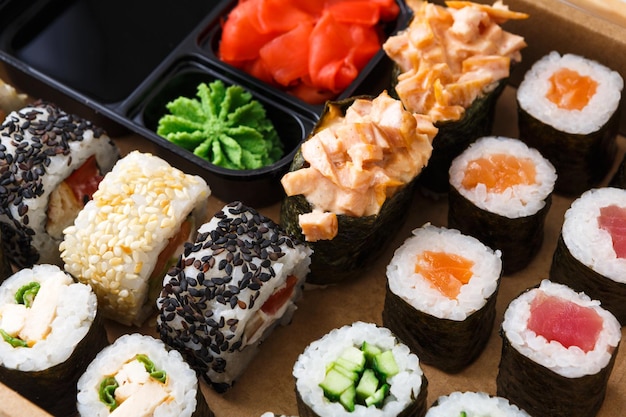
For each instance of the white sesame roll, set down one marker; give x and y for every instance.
(116, 239)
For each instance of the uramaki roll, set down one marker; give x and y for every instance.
(558, 351)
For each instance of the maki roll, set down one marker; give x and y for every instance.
(474, 404)
(124, 240)
(50, 330)
(558, 351)
(50, 164)
(441, 296)
(590, 255)
(139, 376)
(359, 370)
(568, 110)
(452, 63)
(500, 193)
(230, 288)
(350, 185)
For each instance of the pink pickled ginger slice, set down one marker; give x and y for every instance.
(613, 219)
(564, 321)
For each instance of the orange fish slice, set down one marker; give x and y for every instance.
(447, 272)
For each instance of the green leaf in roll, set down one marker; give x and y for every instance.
(26, 293)
(107, 392)
(13, 341)
(224, 125)
(159, 375)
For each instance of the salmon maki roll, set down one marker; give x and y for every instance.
(558, 344)
(441, 296)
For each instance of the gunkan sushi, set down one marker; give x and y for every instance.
(500, 193)
(441, 295)
(359, 370)
(558, 351)
(568, 110)
(50, 330)
(139, 376)
(124, 240)
(50, 164)
(230, 288)
(591, 250)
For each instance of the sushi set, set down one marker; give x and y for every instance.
(390, 208)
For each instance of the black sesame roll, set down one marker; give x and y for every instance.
(214, 304)
(40, 146)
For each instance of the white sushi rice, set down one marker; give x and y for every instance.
(474, 404)
(570, 362)
(75, 312)
(182, 382)
(586, 241)
(531, 94)
(417, 290)
(516, 201)
(310, 369)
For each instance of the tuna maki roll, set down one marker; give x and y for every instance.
(359, 370)
(558, 345)
(452, 63)
(50, 330)
(591, 251)
(474, 404)
(351, 183)
(441, 296)
(124, 240)
(50, 164)
(500, 193)
(230, 288)
(139, 376)
(568, 110)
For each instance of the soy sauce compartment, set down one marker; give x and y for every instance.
(259, 187)
(373, 78)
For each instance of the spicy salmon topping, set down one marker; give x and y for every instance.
(449, 56)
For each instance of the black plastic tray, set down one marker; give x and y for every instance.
(118, 62)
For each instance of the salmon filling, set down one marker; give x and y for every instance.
(446, 272)
(570, 90)
(499, 172)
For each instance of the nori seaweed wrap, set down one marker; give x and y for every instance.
(509, 217)
(447, 324)
(619, 178)
(579, 139)
(360, 216)
(44, 370)
(534, 333)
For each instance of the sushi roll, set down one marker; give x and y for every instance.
(350, 185)
(590, 255)
(50, 330)
(568, 110)
(50, 165)
(139, 376)
(474, 404)
(500, 193)
(230, 288)
(359, 370)
(452, 63)
(441, 296)
(124, 240)
(558, 351)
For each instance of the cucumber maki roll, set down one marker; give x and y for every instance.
(591, 251)
(51, 163)
(139, 376)
(441, 296)
(558, 351)
(124, 240)
(359, 370)
(50, 330)
(568, 110)
(474, 404)
(350, 185)
(500, 193)
(452, 63)
(231, 287)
